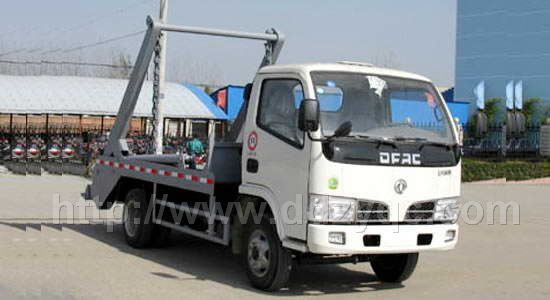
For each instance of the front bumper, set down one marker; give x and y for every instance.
(393, 238)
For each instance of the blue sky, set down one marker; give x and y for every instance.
(413, 35)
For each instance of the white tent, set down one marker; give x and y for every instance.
(97, 96)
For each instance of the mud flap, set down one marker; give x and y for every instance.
(87, 195)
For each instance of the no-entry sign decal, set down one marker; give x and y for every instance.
(252, 141)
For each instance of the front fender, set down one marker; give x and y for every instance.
(266, 194)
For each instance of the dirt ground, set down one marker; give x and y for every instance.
(90, 260)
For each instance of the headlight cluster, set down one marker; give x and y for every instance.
(446, 210)
(323, 208)
(331, 209)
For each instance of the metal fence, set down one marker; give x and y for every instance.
(65, 150)
(498, 141)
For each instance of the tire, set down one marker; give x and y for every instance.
(394, 267)
(137, 224)
(268, 264)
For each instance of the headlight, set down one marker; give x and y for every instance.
(446, 210)
(318, 208)
(331, 209)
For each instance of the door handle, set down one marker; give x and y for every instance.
(252, 165)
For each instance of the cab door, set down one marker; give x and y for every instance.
(275, 152)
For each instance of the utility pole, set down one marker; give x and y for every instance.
(159, 118)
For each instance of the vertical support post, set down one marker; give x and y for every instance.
(80, 124)
(210, 128)
(26, 142)
(154, 203)
(211, 215)
(11, 129)
(159, 117)
(165, 124)
(183, 130)
(211, 141)
(188, 128)
(47, 131)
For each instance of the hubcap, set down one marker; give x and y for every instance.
(259, 253)
(131, 218)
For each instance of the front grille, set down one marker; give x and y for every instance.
(371, 211)
(422, 211)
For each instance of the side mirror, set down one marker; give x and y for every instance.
(309, 115)
(460, 129)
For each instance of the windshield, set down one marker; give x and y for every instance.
(381, 107)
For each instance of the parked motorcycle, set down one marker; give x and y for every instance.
(54, 152)
(18, 152)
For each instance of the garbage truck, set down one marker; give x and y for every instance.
(325, 163)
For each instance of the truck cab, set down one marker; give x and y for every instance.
(377, 173)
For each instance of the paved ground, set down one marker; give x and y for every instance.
(89, 261)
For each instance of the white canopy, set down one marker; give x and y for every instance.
(97, 96)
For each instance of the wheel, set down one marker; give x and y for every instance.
(394, 267)
(138, 227)
(267, 263)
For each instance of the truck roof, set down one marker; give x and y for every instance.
(353, 67)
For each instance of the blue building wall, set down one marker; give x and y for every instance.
(234, 98)
(207, 101)
(499, 41)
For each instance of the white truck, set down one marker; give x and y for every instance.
(326, 163)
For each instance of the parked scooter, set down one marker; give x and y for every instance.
(4, 149)
(54, 152)
(68, 152)
(18, 152)
(34, 152)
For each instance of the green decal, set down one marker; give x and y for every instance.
(333, 183)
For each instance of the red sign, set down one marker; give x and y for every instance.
(252, 141)
(222, 100)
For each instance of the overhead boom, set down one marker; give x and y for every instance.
(117, 143)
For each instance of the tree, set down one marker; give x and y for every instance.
(530, 109)
(387, 59)
(122, 66)
(493, 109)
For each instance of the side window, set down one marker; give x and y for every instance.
(277, 112)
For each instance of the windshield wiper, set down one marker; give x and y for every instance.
(378, 140)
(435, 144)
(392, 141)
(409, 139)
(424, 142)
